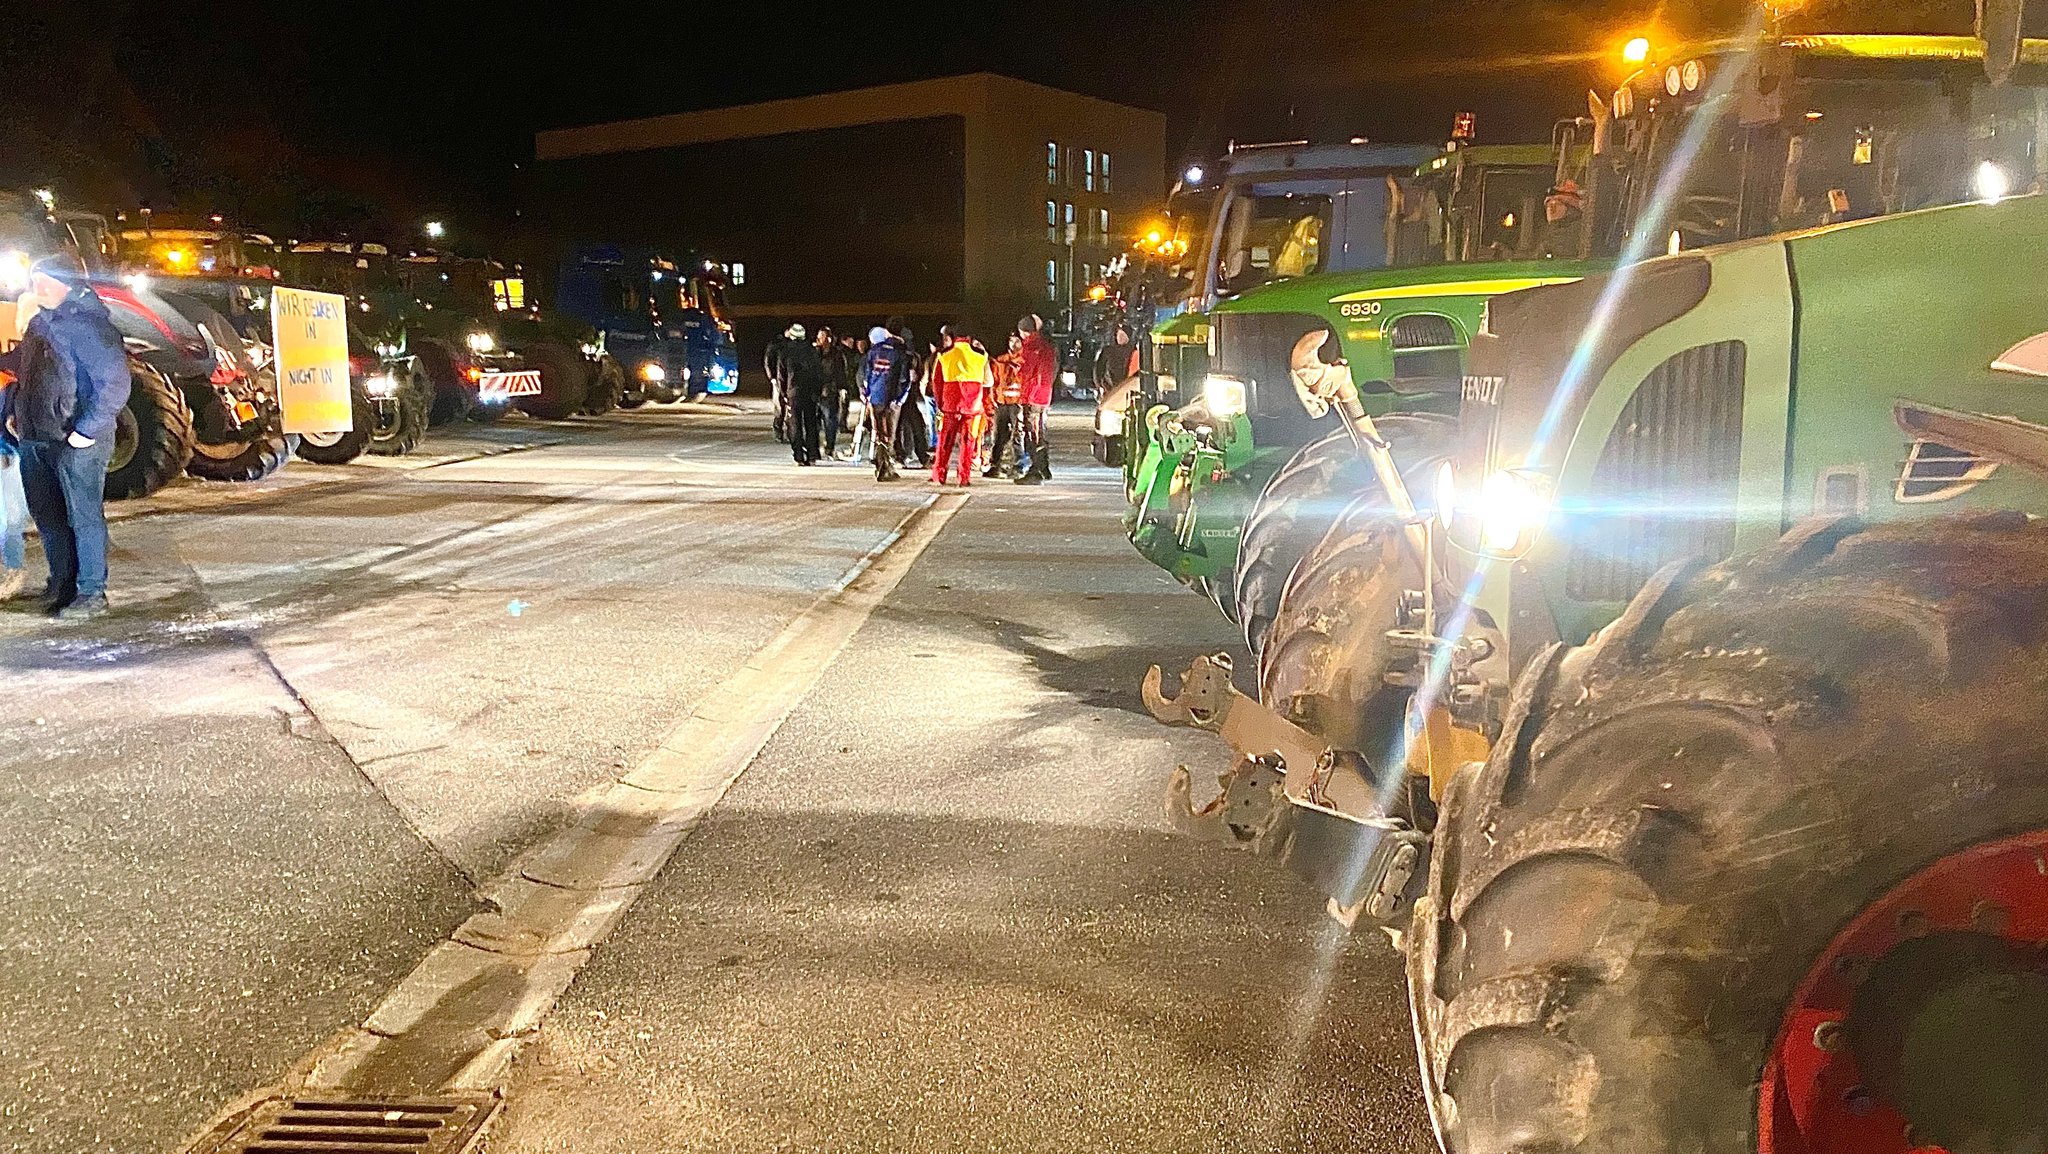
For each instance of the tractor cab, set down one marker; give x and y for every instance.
(664, 318)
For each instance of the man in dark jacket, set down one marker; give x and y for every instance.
(805, 367)
(71, 381)
(885, 385)
(776, 362)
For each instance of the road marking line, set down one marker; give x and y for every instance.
(457, 1020)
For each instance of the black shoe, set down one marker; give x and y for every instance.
(1030, 479)
(85, 608)
(48, 603)
(992, 472)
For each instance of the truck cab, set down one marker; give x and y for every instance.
(663, 317)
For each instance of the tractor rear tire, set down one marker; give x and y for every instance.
(152, 435)
(1684, 814)
(607, 387)
(1325, 652)
(341, 448)
(1298, 506)
(564, 382)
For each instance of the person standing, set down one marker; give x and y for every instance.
(805, 370)
(71, 382)
(1035, 369)
(885, 385)
(838, 378)
(13, 519)
(1115, 363)
(776, 362)
(959, 374)
(1008, 397)
(913, 430)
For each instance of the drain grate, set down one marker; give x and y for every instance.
(340, 1125)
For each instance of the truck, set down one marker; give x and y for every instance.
(663, 320)
(1244, 468)
(1682, 725)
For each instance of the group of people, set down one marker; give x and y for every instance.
(984, 410)
(62, 388)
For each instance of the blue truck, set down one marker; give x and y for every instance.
(662, 317)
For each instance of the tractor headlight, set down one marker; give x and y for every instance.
(1067, 379)
(1109, 422)
(383, 386)
(1223, 396)
(388, 350)
(653, 372)
(591, 349)
(481, 342)
(14, 266)
(1505, 514)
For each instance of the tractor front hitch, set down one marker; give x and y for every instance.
(1326, 820)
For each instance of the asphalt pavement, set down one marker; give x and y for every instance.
(940, 910)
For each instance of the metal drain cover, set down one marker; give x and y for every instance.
(344, 1125)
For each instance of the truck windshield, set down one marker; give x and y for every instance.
(1837, 140)
(1269, 236)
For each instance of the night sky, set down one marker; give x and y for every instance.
(363, 113)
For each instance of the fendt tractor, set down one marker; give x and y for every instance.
(1246, 465)
(1684, 726)
(663, 320)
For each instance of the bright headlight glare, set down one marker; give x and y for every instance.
(383, 385)
(481, 343)
(14, 266)
(1067, 378)
(1513, 504)
(1109, 422)
(1223, 396)
(1446, 495)
(1993, 185)
(653, 372)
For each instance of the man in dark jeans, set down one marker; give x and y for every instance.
(71, 382)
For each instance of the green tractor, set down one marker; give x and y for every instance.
(1238, 481)
(1684, 728)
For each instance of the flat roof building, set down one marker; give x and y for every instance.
(972, 198)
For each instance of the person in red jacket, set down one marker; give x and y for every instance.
(960, 375)
(1035, 367)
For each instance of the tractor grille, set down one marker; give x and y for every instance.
(1257, 347)
(1936, 472)
(1665, 486)
(342, 1125)
(1423, 331)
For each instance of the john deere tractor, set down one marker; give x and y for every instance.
(1683, 722)
(1237, 481)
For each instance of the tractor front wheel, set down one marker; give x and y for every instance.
(1759, 868)
(152, 435)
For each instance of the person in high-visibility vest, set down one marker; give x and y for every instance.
(960, 375)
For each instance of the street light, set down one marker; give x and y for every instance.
(436, 229)
(1637, 50)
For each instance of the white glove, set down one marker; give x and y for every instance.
(79, 440)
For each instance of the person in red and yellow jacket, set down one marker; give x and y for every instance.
(1036, 365)
(959, 376)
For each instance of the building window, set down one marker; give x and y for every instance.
(1052, 162)
(1102, 225)
(1105, 172)
(1052, 281)
(1088, 169)
(1068, 213)
(1052, 222)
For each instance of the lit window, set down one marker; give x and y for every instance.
(739, 273)
(1052, 280)
(1052, 162)
(1088, 169)
(1105, 172)
(1069, 221)
(1052, 222)
(1102, 225)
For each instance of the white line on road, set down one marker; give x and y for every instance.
(457, 1020)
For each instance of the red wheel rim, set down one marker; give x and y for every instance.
(1813, 1099)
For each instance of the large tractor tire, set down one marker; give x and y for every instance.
(1758, 869)
(408, 425)
(1323, 657)
(341, 448)
(240, 460)
(607, 386)
(1298, 506)
(564, 381)
(453, 396)
(152, 435)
